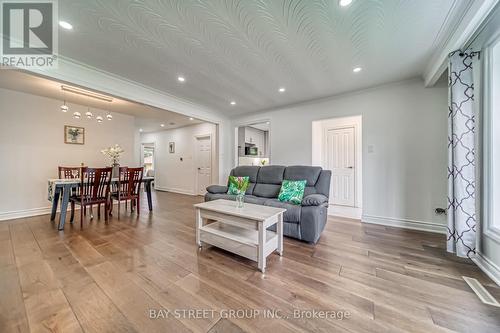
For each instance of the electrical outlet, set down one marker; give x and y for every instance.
(440, 211)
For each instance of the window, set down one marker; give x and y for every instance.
(492, 140)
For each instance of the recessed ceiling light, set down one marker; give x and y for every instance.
(191, 118)
(344, 3)
(282, 89)
(140, 129)
(233, 103)
(162, 125)
(356, 69)
(65, 25)
(181, 78)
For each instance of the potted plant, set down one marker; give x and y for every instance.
(114, 153)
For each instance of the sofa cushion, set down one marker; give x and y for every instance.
(217, 189)
(292, 191)
(314, 200)
(246, 170)
(266, 190)
(323, 184)
(271, 174)
(292, 213)
(215, 196)
(254, 200)
(300, 172)
(310, 190)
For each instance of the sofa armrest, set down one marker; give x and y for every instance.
(217, 189)
(314, 200)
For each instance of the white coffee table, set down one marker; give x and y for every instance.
(242, 231)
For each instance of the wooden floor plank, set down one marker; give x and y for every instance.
(12, 311)
(132, 301)
(47, 308)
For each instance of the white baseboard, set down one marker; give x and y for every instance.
(174, 190)
(345, 211)
(405, 223)
(488, 267)
(19, 214)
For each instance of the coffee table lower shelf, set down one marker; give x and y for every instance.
(241, 241)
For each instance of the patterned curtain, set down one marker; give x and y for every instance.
(461, 155)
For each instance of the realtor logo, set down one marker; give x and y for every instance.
(29, 34)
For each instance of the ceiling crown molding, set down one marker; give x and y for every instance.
(79, 74)
(457, 34)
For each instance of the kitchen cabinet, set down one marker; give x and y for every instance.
(249, 136)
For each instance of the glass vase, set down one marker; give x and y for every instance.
(240, 199)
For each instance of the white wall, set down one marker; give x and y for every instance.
(404, 179)
(32, 147)
(172, 174)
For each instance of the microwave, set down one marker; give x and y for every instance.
(252, 151)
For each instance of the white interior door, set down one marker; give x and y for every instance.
(340, 150)
(203, 163)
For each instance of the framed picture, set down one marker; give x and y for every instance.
(171, 147)
(74, 135)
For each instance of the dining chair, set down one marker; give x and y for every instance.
(128, 188)
(69, 172)
(94, 190)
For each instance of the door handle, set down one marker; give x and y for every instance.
(350, 167)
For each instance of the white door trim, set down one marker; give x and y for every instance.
(196, 138)
(319, 131)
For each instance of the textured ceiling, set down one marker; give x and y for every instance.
(244, 50)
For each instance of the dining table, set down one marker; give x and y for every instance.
(60, 190)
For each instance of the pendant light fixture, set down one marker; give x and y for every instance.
(89, 114)
(64, 107)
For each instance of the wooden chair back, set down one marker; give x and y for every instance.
(95, 183)
(130, 180)
(69, 172)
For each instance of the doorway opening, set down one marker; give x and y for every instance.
(252, 144)
(337, 146)
(148, 158)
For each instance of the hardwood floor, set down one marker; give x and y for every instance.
(108, 277)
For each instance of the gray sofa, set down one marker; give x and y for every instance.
(305, 221)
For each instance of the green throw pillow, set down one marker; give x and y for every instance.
(292, 191)
(238, 185)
